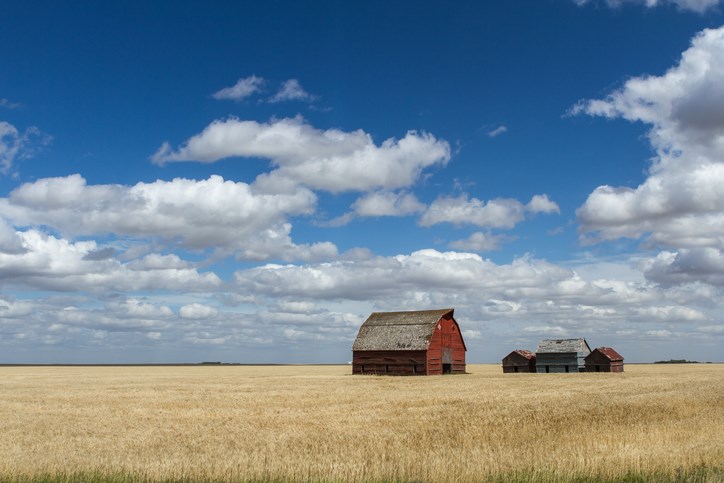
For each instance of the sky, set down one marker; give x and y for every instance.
(247, 181)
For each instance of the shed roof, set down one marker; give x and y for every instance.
(398, 330)
(611, 354)
(563, 345)
(525, 353)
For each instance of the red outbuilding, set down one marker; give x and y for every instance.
(604, 359)
(519, 360)
(423, 342)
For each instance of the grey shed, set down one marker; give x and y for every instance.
(562, 355)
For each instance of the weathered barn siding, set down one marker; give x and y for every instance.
(409, 343)
(604, 359)
(519, 361)
(561, 355)
(390, 362)
(446, 351)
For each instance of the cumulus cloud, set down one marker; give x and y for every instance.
(197, 311)
(496, 213)
(330, 160)
(291, 90)
(541, 204)
(686, 266)
(681, 203)
(377, 204)
(694, 5)
(526, 290)
(479, 242)
(232, 217)
(50, 263)
(243, 88)
(10, 241)
(387, 203)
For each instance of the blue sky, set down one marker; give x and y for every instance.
(243, 182)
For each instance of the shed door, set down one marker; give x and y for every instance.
(447, 355)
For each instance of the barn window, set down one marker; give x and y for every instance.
(387, 368)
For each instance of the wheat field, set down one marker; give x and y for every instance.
(311, 423)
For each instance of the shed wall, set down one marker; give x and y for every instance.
(558, 362)
(515, 362)
(598, 362)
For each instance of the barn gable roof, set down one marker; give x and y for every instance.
(398, 330)
(611, 354)
(563, 345)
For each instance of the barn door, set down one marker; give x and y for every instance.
(447, 354)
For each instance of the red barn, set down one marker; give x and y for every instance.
(604, 359)
(423, 342)
(519, 361)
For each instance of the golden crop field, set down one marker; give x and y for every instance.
(309, 423)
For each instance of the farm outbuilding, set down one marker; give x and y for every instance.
(561, 355)
(604, 359)
(519, 361)
(424, 342)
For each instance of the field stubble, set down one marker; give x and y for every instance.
(305, 423)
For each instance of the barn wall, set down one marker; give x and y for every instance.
(446, 352)
(397, 363)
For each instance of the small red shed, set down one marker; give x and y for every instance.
(519, 360)
(604, 359)
(423, 342)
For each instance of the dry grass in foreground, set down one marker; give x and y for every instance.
(306, 423)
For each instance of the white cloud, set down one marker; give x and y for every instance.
(547, 331)
(291, 90)
(525, 299)
(243, 88)
(197, 311)
(199, 214)
(330, 160)
(480, 242)
(694, 5)
(497, 213)
(541, 204)
(15, 145)
(681, 203)
(686, 266)
(497, 131)
(8, 104)
(10, 241)
(387, 203)
(50, 263)
(137, 309)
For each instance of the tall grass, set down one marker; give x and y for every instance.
(320, 423)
